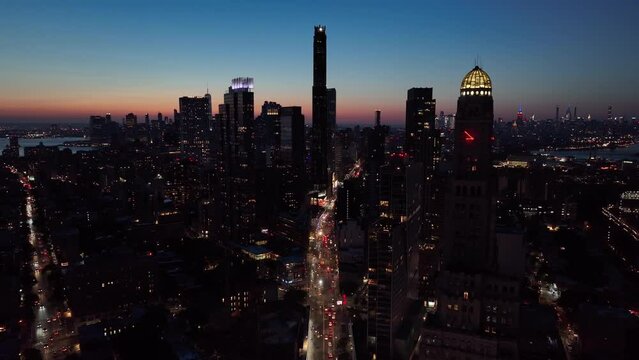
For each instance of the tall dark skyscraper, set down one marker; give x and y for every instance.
(290, 158)
(267, 132)
(291, 137)
(131, 120)
(195, 119)
(376, 141)
(375, 150)
(393, 261)
(321, 130)
(331, 112)
(609, 112)
(420, 123)
(423, 144)
(477, 311)
(235, 132)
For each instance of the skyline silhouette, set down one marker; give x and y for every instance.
(79, 59)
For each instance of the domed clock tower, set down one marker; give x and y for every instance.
(476, 315)
(469, 243)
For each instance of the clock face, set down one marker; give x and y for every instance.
(468, 136)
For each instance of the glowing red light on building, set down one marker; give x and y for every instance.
(468, 137)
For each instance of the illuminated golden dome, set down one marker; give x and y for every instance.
(476, 82)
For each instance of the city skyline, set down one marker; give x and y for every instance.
(85, 59)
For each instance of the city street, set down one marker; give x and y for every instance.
(51, 331)
(323, 287)
(327, 308)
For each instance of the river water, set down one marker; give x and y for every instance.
(49, 141)
(624, 153)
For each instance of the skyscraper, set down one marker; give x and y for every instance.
(331, 113)
(290, 158)
(267, 131)
(376, 142)
(235, 132)
(568, 114)
(195, 117)
(520, 115)
(420, 123)
(291, 137)
(609, 112)
(375, 157)
(423, 144)
(131, 120)
(470, 243)
(477, 306)
(331, 95)
(321, 129)
(393, 261)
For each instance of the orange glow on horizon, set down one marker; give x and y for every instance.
(79, 108)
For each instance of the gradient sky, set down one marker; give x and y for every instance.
(65, 60)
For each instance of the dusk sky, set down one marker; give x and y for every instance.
(65, 62)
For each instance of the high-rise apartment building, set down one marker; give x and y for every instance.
(290, 158)
(235, 133)
(423, 144)
(195, 116)
(393, 261)
(267, 132)
(420, 123)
